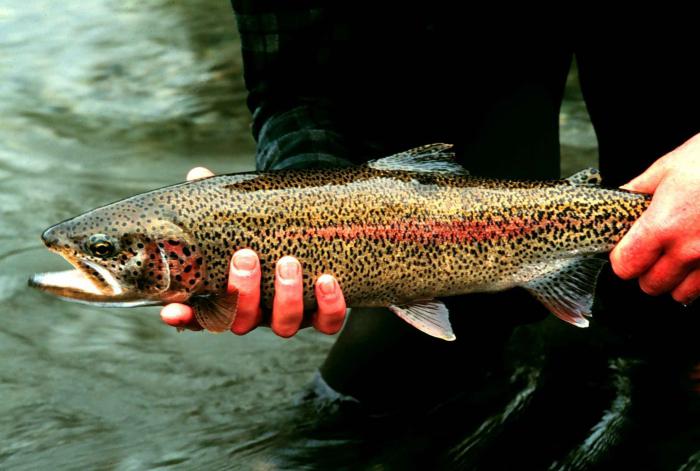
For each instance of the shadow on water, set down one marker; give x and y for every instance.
(100, 100)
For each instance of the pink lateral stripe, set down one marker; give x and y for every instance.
(462, 231)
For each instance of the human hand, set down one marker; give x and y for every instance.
(662, 248)
(288, 305)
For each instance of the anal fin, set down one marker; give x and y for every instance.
(215, 313)
(430, 316)
(568, 289)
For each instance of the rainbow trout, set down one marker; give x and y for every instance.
(397, 232)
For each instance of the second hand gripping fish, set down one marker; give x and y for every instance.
(397, 232)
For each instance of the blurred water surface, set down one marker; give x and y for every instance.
(100, 100)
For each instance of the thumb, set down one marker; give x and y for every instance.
(199, 172)
(650, 178)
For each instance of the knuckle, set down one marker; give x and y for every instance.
(620, 268)
(653, 227)
(687, 255)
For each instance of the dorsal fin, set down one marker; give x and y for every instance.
(586, 177)
(433, 158)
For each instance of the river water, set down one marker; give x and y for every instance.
(100, 100)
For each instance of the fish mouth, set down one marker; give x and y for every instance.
(87, 283)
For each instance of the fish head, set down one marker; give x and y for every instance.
(123, 257)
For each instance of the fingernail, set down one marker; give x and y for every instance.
(327, 285)
(244, 261)
(289, 270)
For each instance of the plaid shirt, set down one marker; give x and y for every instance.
(284, 46)
(330, 85)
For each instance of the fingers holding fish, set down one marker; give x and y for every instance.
(650, 178)
(638, 250)
(175, 243)
(689, 290)
(667, 273)
(663, 246)
(244, 277)
(288, 303)
(330, 315)
(287, 315)
(180, 316)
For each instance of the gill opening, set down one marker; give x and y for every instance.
(166, 267)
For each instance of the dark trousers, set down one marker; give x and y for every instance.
(643, 103)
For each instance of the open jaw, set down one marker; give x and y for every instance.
(87, 283)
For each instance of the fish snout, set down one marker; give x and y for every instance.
(50, 237)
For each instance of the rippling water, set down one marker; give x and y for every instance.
(100, 100)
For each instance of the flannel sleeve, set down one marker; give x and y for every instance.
(286, 49)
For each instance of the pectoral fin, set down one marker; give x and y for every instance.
(568, 289)
(429, 316)
(215, 313)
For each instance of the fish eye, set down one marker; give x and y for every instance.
(101, 246)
